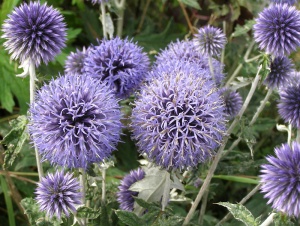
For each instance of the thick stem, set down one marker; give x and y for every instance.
(219, 153)
(103, 185)
(103, 14)
(203, 208)
(211, 68)
(121, 8)
(289, 134)
(269, 220)
(32, 78)
(82, 180)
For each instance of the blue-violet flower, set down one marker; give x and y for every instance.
(233, 102)
(74, 62)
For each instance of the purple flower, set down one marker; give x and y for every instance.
(34, 32)
(277, 29)
(74, 62)
(233, 102)
(280, 179)
(186, 51)
(281, 68)
(75, 121)
(290, 2)
(210, 40)
(125, 196)
(119, 63)
(58, 193)
(288, 106)
(178, 119)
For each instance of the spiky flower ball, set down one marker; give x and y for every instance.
(277, 29)
(120, 63)
(74, 62)
(280, 179)
(233, 102)
(290, 2)
(125, 196)
(210, 40)
(289, 104)
(75, 121)
(186, 51)
(58, 194)
(178, 119)
(34, 33)
(281, 68)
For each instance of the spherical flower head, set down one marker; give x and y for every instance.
(58, 193)
(288, 106)
(120, 63)
(186, 51)
(289, 2)
(210, 40)
(233, 102)
(74, 62)
(34, 32)
(125, 196)
(280, 179)
(281, 68)
(75, 121)
(178, 119)
(277, 29)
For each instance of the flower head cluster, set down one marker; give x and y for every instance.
(186, 51)
(75, 121)
(34, 32)
(58, 193)
(74, 62)
(210, 40)
(280, 179)
(277, 29)
(289, 2)
(233, 102)
(281, 68)
(178, 119)
(119, 63)
(288, 106)
(125, 196)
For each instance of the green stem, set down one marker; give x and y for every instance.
(103, 14)
(121, 8)
(32, 79)
(223, 50)
(203, 208)
(82, 180)
(220, 151)
(103, 197)
(298, 135)
(9, 206)
(269, 220)
(211, 68)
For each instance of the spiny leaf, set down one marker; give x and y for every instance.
(240, 213)
(86, 212)
(241, 30)
(265, 63)
(128, 218)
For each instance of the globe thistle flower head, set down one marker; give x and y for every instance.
(178, 119)
(34, 33)
(233, 102)
(280, 179)
(120, 63)
(281, 68)
(58, 194)
(125, 196)
(186, 51)
(74, 62)
(289, 2)
(210, 40)
(277, 29)
(75, 121)
(288, 106)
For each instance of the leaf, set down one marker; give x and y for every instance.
(241, 30)
(6, 97)
(191, 3)
(240, 82)
(6, 7)
(265, 62)
(241, 179)
(128, 218)
(240, 213)
(31, 209)
(282, 220)
(15, 139)
(86, 212)
(72, 33)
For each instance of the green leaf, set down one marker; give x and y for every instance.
(6, 7)
(31, 209)
(86, 212)
(15, 139)
(240, 179)
(191, 3)
(6, 97)
(72, 33)
(242, 30)
(240, 213)
(265, 62)
(128, 218)
(282, 220)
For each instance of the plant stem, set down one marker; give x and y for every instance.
(298, 135)
(289, 134)
(103, 14)
(32, 79)
(121, 8)
(219, 153)
(269, 220)
(143, 17)
(203, 208)
(166, 192)
(182, 6)
(211, 68)
(223, 50)
(103, 197)
(82, 180)
(244, 200)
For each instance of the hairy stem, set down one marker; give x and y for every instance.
(82, 180)
(219, 153)
(103, 14)
(269, 220)
(211, 68)
(121, 8)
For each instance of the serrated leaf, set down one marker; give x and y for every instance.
(191, 3)
(265, 62)
(146, 205)
(241, 30)
(31, 209)
(86, 212)
(240, 213)
(15, 139)
(282, 220)
(128, 218)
